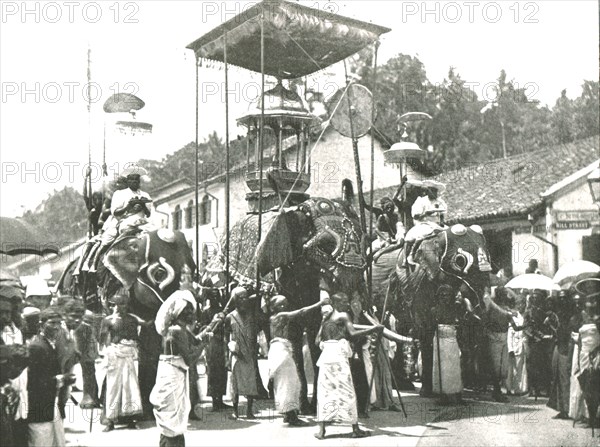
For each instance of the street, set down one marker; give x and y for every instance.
(480, 421)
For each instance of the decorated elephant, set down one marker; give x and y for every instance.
(316, 246)
(148, 265)
(456, 257)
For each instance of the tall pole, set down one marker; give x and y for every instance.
(197, 167)
(260, 142)
(372, 192)
(227, 179)
(503, 138)
(89, 109)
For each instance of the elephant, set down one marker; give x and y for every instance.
(148, 266)
(456, 256)
(312, 247)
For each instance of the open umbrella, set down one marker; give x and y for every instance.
(18, 237)
(532, 281)
(123, 102)
(573, 272)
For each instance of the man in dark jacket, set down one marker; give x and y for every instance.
(44, 383)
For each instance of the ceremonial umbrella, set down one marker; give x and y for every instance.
(573, 272)
(18, 237)
(123, 102)
(532, 281)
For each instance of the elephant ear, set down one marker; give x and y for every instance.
(275, 247)
(123, 260)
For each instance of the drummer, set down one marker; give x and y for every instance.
(428, 216)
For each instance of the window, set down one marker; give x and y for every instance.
(177, 214)
(205, 211)
(189, 214)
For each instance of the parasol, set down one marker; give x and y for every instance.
(532, 281)
(18, 237)
(428, 183)
(573, 272)
(123, 102)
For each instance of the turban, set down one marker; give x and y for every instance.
(238, 295)
(172, 308)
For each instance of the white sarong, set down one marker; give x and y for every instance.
(447, 360)
(336, 397)
(44, 434)
(123, 396)
(283, 371)
(170, 396)
(577, 408)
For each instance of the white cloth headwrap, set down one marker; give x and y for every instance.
(171, 308)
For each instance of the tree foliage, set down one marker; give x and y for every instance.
(466, 128)
(63, 214)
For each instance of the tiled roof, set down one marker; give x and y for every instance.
(511, 186)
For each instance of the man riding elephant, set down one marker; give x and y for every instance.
(129, 211)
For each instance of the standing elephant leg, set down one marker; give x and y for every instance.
(150, 349)
(90, 386)
(426, 340)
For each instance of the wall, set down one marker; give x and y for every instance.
(575, 197)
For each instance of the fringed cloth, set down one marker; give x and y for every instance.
(336, 397)
(170, 396)
(283, 371)
(446, 359)
(123, 397)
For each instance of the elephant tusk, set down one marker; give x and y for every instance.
(170, 273)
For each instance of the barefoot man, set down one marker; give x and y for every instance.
(336, 397)
(282, 367)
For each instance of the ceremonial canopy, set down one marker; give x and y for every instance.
(298, 40)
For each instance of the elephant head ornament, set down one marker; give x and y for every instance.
(321, 235)
(151, 265)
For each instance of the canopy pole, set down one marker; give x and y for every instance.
(372, 192)
(227, 177)
(89, 109)
(260, 143)
(197, 164)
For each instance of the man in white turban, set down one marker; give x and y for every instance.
(170, 395)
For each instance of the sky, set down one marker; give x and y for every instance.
(139, 47)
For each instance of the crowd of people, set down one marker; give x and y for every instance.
(528, 341)
(545, 344)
